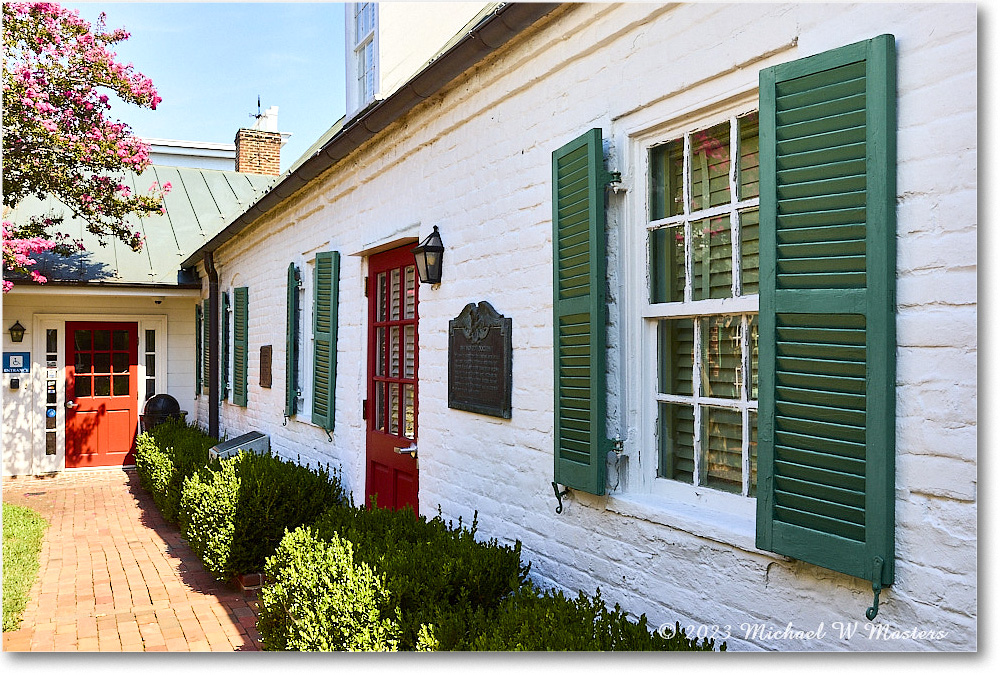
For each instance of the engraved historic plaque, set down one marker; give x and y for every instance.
(479, 361)
(265, 366)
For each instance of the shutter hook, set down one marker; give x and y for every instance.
(872, 611)
(559, 495)
(328, 435)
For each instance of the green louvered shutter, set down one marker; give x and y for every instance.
(325, 299)
(197, 349)
(224, 360)
(206, 332)
(580, 313)
(292, 340)
(241, 344)
(826, 429)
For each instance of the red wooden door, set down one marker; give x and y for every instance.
(102, 403)
(391, 475)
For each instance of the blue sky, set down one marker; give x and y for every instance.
(210, 61)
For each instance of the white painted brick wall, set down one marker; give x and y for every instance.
(476, 162)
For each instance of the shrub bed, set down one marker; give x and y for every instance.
(235, 512)
(428, 586)
(165, 456)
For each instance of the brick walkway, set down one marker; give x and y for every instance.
(114, 576)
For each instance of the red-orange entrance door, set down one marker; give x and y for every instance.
(102, 404)
(391, 475)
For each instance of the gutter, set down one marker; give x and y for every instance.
(490, 34)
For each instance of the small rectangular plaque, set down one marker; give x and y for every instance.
(480, 361)
(265, 366)
(17, 362)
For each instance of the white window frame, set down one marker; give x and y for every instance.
(358, 94)
(697, 508)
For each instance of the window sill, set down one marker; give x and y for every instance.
(723, 526)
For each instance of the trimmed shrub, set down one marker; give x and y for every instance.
(549, 621)
(235, 512)
(320, 599)
(434, 572)
(165, 456)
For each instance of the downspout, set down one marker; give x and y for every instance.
(213, 345)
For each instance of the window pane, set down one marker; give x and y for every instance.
(102, 362)
(102, 385)
(409, 412)
(720, 356)
(102, 339)
(753, 356)
(666, 264)
(722, 446)
(710, 167)
(82, 363)
(83, 386)
(119, 340)
(120, 362)
(121, 385)
(410, 311)
(676, 356)
(150, 340)
(380, 297)
(150, 364)
(394, 296)
(410, 351)
(394, 409)
(713, 258)
(749, 158)
(380, 365)
(150, 387)
(677, 441)
(51, 340)
(666, 180)
(82, 339)
(394, 351)
(753, 453)
(380, 406)
(750, 251)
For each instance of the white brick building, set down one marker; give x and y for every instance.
(661, 499)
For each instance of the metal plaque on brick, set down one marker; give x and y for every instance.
(480, 361)
(265, 366)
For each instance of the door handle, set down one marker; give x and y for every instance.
(411, 451)
(71, 404)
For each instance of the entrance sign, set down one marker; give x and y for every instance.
(17, 362)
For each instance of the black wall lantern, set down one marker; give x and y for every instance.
(16, 332)
(428, 255)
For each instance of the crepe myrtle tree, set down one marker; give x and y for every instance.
(58, 71)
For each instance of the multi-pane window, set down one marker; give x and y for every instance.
(364, 49)
(703, 274)
(150, 359)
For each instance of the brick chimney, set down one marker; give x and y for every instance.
(258, 149)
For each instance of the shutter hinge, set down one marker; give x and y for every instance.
(366, 287)
(612, 179)
(364, 409)
(877, 563)
(559, 495)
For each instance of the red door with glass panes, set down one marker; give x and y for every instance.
(391, 410)
(102, 405)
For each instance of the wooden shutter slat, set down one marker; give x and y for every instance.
(325, 303)
(241, 346)
(826, 431)
(579, 313)
(224, 360)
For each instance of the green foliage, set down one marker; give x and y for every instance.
(320, 599)
(235, 512)
(435, 572)
(23, 530)
(165, 456)
(549, 621)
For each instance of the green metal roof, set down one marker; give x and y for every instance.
(201, 202)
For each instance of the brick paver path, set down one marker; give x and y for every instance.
(114, 576)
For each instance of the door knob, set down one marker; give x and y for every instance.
(71, 404)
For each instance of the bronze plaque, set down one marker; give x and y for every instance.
(265, 366)
(480, 361)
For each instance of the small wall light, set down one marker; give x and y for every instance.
(16, 332)
(428, 255)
